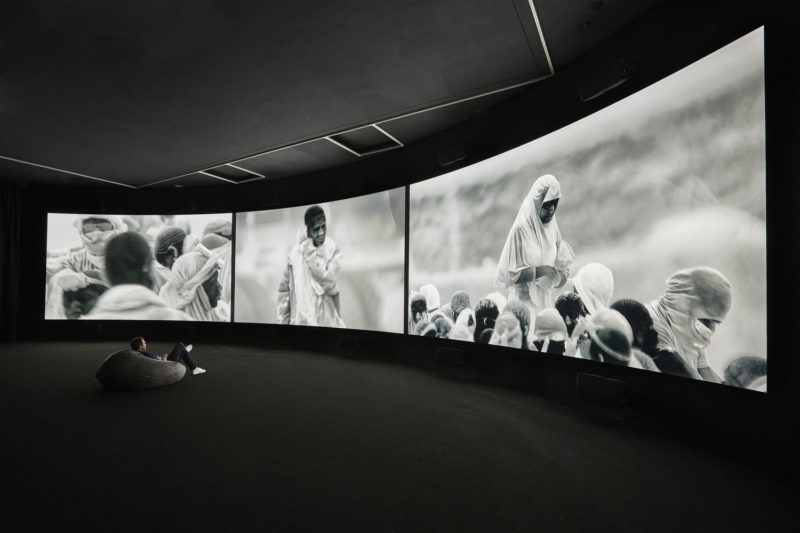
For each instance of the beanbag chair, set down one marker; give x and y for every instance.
(130, 370)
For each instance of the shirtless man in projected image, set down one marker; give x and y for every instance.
(308, 293)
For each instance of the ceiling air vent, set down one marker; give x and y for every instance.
(232, 174)
(365, 141)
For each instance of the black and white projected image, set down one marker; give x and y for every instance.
(139, 267)
(635, 236)
(335, 264)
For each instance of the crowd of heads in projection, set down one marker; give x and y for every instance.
(630, 244)
(575, 315)
(126, 267)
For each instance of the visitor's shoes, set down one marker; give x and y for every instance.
(198, 370)
(189, 347)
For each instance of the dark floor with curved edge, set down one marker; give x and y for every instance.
(280, 440)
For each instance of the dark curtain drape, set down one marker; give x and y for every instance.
(10, 238)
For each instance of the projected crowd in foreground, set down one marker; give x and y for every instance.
(635, 236)
(338, 264)
(139, 267)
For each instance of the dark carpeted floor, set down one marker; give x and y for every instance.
(299, 441)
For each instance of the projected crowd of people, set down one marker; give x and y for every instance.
(541, 305)
(141, 268)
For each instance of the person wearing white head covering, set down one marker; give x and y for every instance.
(80, 268)
(549, 332)
(611, 338)
(594, 283)
(526, 265)
(507, 331)
(194, 286)
(309, 293)
(686, 316)
(466, 318)
(431, 294)
(95, 232)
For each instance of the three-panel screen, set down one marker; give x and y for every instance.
(635, 236)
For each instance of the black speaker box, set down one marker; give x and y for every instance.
(603, 391)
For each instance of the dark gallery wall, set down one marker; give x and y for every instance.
(758, 426)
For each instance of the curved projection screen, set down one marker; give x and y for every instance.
(342, 266)
(139, 267)
(659, 201)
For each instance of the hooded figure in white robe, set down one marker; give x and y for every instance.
(532, 242)
(686, 315)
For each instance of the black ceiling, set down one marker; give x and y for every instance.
(156, 93)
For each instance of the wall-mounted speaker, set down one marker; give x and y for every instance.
(451, 155)
(270, 201)
(350, 186)
(349, 342)
(449, 357)
(603, 391)
(600, 78)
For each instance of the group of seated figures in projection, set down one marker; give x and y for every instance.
(142, 267)
(541, 305)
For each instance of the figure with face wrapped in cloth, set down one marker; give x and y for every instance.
(686, 316)
(194, 286)
(80, 268)
(527, 265)
(167, 249)
(309, 293)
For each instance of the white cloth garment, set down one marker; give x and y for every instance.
(133, 302)
(184, 290)
(691, 294)
(308, 294)
(529, 244)
(594, 283)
